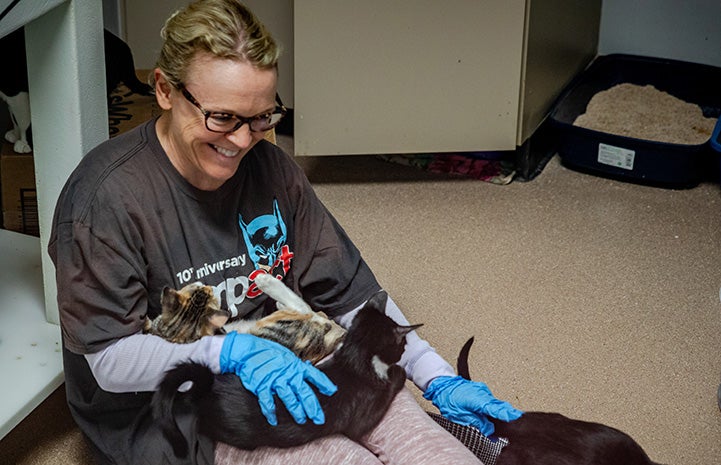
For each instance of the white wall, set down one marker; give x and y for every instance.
(688, 30)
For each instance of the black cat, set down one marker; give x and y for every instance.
(541, 438)
(14, 78)
(364, 369)
(119, 67)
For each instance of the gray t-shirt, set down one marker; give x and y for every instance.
(127, 224)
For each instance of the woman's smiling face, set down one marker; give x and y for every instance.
(204, 158)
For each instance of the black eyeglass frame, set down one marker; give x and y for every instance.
(241, 120)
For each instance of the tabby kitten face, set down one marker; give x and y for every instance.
(188, 314)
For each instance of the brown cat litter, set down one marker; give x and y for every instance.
(644, 112)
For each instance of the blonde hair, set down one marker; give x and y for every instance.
(223, 28)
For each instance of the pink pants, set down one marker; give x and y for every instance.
(406, 435)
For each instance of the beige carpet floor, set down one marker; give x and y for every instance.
(594, 298)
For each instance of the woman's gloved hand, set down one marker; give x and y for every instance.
(468, 402)
(266, 368)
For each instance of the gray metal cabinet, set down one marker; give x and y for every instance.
(427, 76)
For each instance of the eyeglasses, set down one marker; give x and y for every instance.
(218, 121)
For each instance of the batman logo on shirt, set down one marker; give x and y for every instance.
(264, 237)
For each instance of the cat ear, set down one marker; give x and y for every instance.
(378, 302)
(168, 298)
(402, 331)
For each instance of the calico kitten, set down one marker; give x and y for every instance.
(364, 369)
(542, 438)
(193, 312)
(311, 335)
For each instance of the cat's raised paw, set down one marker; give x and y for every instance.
(263, 281)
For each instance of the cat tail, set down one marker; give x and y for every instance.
(169, 394)
(462, 362)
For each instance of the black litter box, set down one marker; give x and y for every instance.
(628, 158)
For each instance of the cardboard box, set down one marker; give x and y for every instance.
(127, 110)
(17, 187)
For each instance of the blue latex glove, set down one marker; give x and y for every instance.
(266, 368)
(468, 402)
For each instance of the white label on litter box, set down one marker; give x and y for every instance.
(616, 156)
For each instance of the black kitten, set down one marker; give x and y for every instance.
(541, 438)
(119, 65)
(364, 369)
